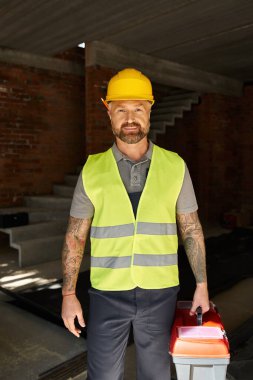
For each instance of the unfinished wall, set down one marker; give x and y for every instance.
(41, 127)
(98, 133)
(43, 135)
(216, 140)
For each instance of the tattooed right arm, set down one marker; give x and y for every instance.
(73, 250)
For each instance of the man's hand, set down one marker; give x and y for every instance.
(200, 298)
(71, 309)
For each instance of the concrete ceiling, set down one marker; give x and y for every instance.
(212, 35)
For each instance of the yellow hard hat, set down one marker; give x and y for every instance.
(129, 84)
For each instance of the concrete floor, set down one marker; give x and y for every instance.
(30, 345)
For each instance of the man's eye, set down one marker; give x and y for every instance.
(138, 110)
(121, 110)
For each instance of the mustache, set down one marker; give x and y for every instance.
(133, 124)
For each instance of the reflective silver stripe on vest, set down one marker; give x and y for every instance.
(155, 259)
(156, 228)
(111, 262)
(112, 231)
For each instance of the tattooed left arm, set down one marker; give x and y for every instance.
(72, 254)
(193, 240)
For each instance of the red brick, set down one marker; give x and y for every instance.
(41, 129)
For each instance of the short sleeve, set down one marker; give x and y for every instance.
(186, 201)
(81, 207)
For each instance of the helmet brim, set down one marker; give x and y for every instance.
(125, 98)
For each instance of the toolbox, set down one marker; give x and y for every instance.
(199, 346)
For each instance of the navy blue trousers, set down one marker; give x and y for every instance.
(151, 314)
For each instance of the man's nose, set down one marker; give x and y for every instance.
(130, 117)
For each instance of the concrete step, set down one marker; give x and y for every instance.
(39, 230)
(177, 91)
(166, 116)
(63, 190)
(13, 210)
(48, 202)
(71, 179)
(182, 96)
(165, 109)
(37, 215)
(184, 103)
(36, 251)
(43, 215)
(160, 125)
(170, 108)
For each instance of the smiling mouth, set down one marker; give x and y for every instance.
(130, 127)
(130, 130)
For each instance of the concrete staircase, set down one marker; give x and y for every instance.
(42, 239)
(169, 109)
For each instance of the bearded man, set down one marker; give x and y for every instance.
(131, 197)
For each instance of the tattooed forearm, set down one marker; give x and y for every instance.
(193, 239)
(72, 252)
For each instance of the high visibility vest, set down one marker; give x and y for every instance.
(127, 252)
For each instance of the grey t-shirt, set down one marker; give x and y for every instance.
(133, 175)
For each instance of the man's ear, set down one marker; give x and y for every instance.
(108, 112)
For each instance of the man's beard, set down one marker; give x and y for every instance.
(132, 137)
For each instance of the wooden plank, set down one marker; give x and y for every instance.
(160, 70)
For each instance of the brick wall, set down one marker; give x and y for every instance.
(75, 54)
(216, 140)
(41, 129)
(98, 131)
